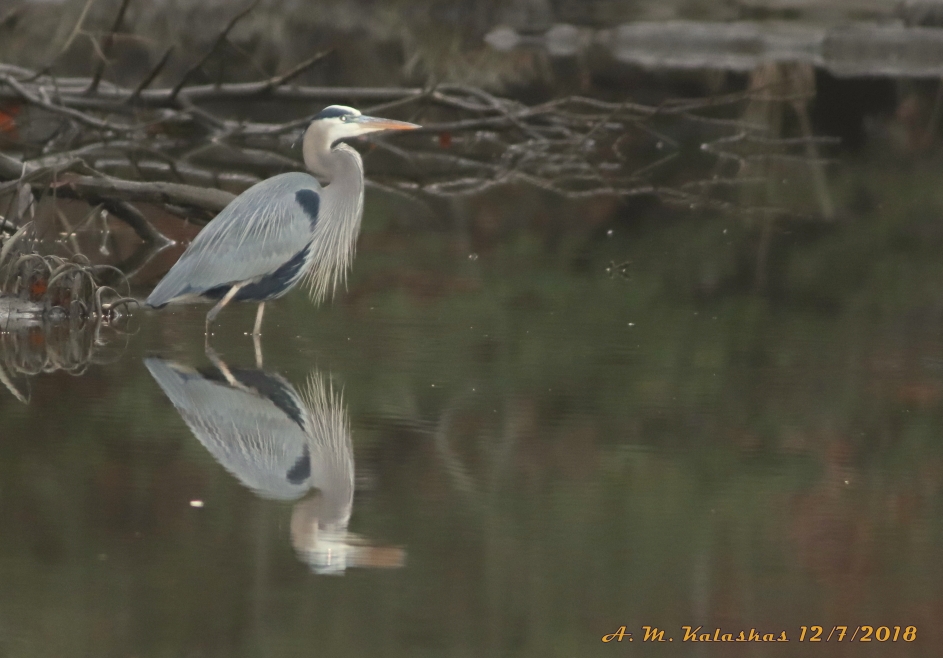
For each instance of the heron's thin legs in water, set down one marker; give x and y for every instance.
(257, 335)
(258, 320)
(257, 344)
(226, 372)
(223, 368)
(220, 305)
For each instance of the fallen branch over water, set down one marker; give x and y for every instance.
(113, 193)
(470, 139)
(188, 148)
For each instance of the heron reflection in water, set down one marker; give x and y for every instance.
(280, 443)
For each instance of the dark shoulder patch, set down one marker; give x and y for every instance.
(332, 112)
(301, 471)
(310, 202)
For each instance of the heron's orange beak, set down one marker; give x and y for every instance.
(373, 124)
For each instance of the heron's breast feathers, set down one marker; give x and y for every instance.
(333, 246)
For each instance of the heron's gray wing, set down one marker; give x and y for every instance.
(260, 230)
(254, 436)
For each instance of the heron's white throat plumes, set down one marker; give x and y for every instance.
(341, 170)
(334, 242)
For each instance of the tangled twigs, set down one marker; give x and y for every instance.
(189, 147)
(59, 108)
(216, 44)
(113, 193)
(36, 288)
(107, 46)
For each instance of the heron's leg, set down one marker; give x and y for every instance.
(257, 344)
(221, 366)
(257, 335)
(224, 370)
(258, 320)
(220, 305)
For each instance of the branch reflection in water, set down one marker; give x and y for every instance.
(30, 346)
(280, 443)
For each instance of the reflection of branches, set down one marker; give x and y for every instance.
(478, 492)
(462, 480)
(51, 347)
(54, 312)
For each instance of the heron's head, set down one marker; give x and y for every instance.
(337, 122)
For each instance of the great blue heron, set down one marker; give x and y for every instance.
(283, 229)
(280, 443)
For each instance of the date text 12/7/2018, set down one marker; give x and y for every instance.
(858, 633)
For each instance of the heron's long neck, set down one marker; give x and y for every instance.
(341, 169)
(339, 218)
(330, 164)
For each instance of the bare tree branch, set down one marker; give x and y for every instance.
(106, 47)
(219, 40)
(56, 108)
(133, 218)
(149, 78)
(174, 147)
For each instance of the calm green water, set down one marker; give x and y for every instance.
(543, 450)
